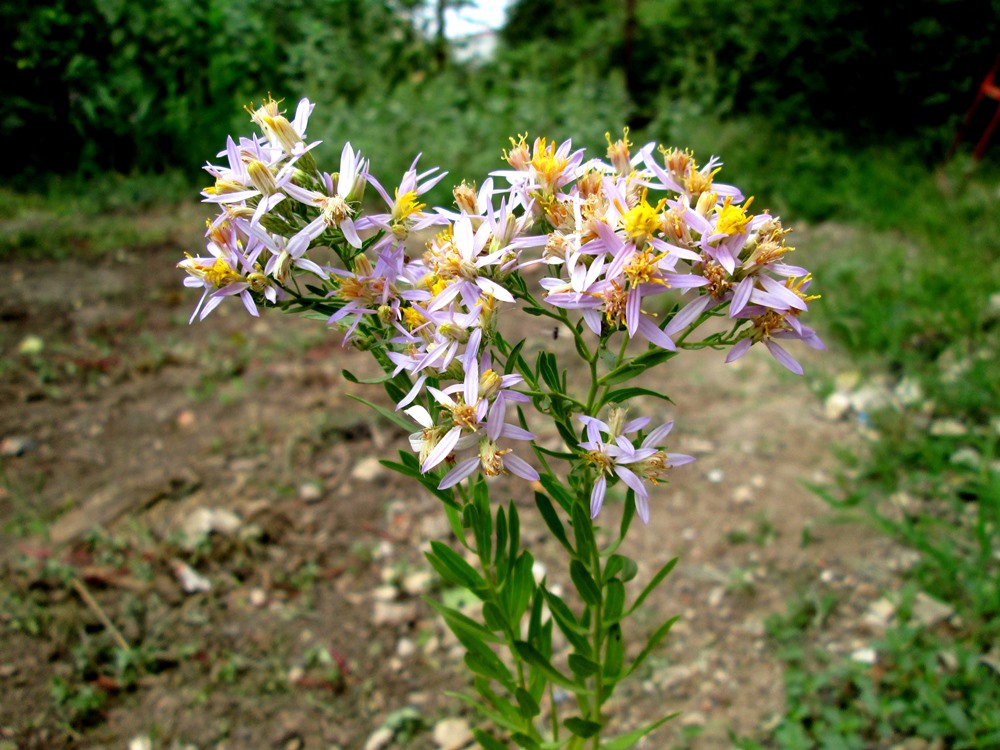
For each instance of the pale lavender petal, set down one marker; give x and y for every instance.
(513, 432)
(742, 347)
(653, 439)
(520, 467)
(350, 232)
(679, 459)
(648, 329)
(633, 311)
(642, 506)
(687, 315)
(783, 357)
(441, 450)
(741, 296)
(629, 477)
(461, 471)
(597, 496)
(420, 415)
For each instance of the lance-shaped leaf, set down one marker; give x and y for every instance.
(462, 626)
(395, 417)
(583, 532)
(582, 727)
(584, 583)
(652, 643)
(454, 569)
(627, 741)
(551, 518)
(651, 586)
(529, 654)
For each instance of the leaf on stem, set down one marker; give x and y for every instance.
(531, 655)
(551, 519)
(583, 532)
(582, 727)
(454, 569)
(651, 586)
(461, 625)
(626, 741)
(584, 583)
(653, 642)
(624, 394)
(397, 419)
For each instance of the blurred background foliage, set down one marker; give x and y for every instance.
(836, 113)
(96, 85)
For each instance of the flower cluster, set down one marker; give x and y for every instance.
(644, 246)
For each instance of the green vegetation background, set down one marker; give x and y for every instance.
(837, 112)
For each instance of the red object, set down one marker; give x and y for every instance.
(987, 89)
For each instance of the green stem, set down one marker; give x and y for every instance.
(595, 570)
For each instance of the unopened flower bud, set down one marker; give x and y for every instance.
(489, 384)
(465, 198)
(616, 421)
(261, 177)
(706, 202)
(618, 153)
(454, 332)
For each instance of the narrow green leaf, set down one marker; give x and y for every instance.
(551, 519)
(567, 623)
(352, 378)
(624, 394)
(582, 666)
(627, 741)
(510, 364)
(532, 656)
(535, 620)
(556, 490)
(500, 560)
(395, 417)
(583, 532)
(528, 705)
(622, 374)
(514, 531)
(652, 643)
(461, 625)
(459, 571)
(584, 583)
(488, 741)
(614, 653)
(455, 522)
(582, 727)
(495, 619)
(627, 515)
(523, 740)
(651, 586)
(614, 600)
(511, 725)
(491, 668)
(520, 587)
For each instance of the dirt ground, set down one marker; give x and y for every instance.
(227, 456)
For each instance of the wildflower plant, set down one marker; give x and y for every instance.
(631, 254)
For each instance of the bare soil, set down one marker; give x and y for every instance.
(313, 633)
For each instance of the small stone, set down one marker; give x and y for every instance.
(379, 739)
(417, 583)
(689, 534)
(743, 495)
(758, 482)
(715, 476)
(715, 597)
(311, 492)
(192, 582)
(908, 392)
(205, 521)
(31, 345)
(929, 612)
(393, 613)
(538, 571)
(16, 445)
(140, 743)
(880, 614)
(836, 406)
(186, 419)
(865, 656)
(405, 648)
(384, 594)
(257, 598)
(452, 734)
(968, 457)
(693, 719)
(368, 470)
(948, 428)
